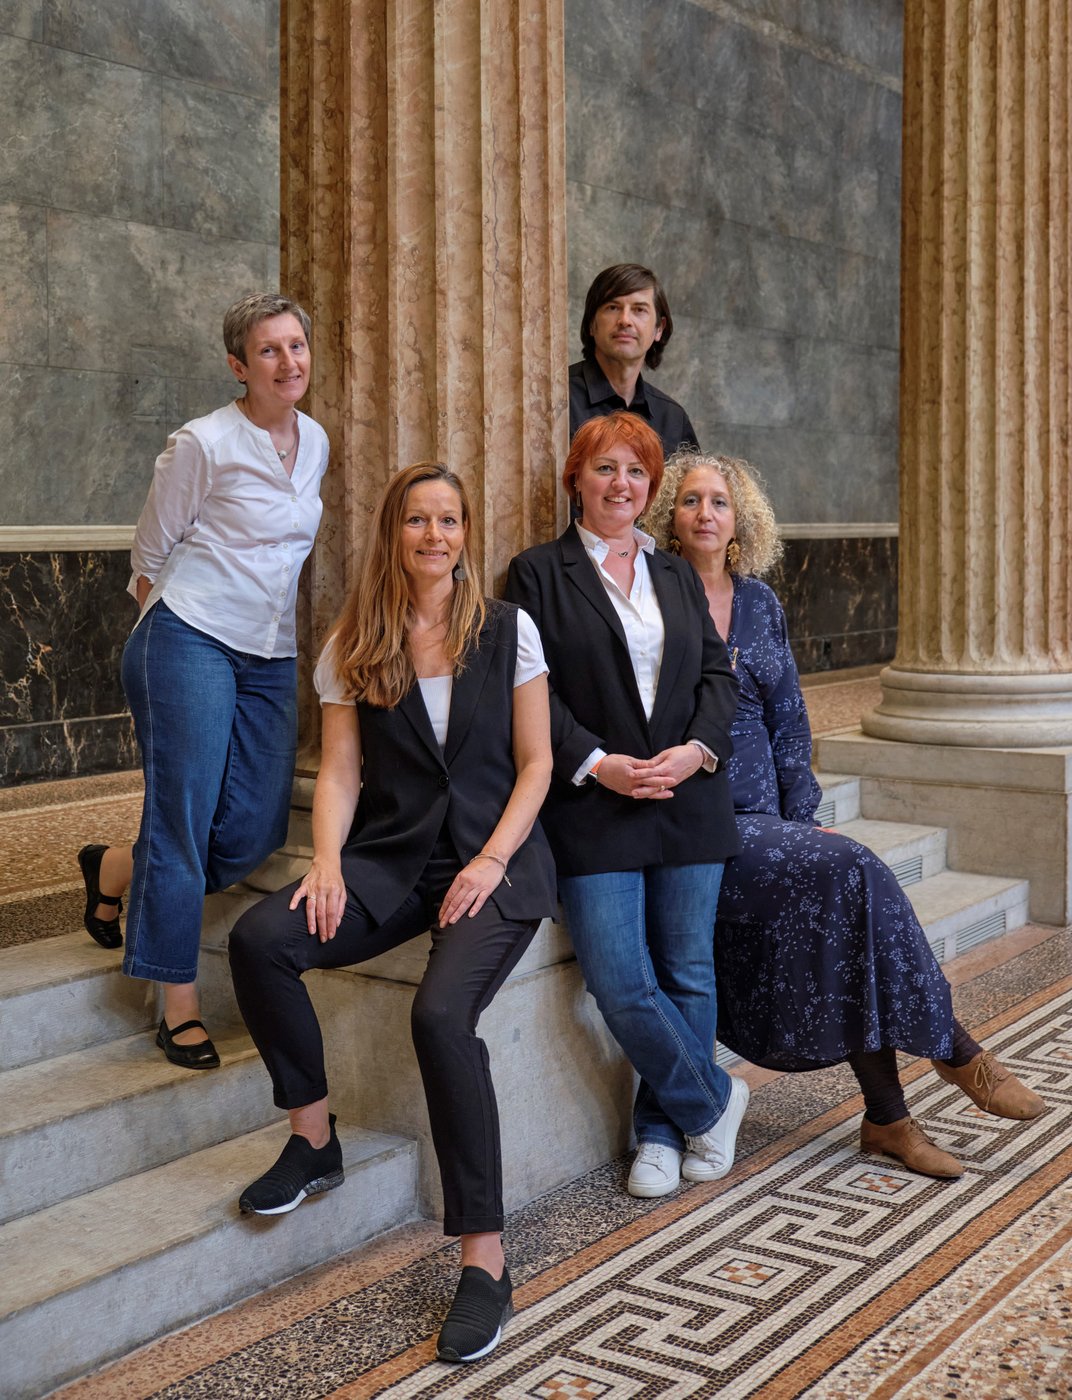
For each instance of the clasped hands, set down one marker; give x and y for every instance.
(325, 895)
(653, 778)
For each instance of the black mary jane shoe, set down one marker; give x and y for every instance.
(203, 1055)
(103, 931)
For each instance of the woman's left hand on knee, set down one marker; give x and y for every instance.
(325, 899)
(469, 892)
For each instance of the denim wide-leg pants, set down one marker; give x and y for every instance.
(217, 729)
(644, 941)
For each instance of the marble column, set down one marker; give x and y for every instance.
(984, 651)
(423, 224)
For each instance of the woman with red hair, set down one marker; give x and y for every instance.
(639, 812)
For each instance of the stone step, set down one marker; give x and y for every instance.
(959, 911)
(92, 1278)
(841, 799)
(76, 1122)
(912, 852)
(63, 994)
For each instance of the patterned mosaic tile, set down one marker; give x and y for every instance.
(763, 1285)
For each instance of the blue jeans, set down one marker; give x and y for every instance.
(218, 733)
(645, 943)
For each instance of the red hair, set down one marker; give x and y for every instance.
(599, 435)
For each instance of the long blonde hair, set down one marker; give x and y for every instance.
(371, 635)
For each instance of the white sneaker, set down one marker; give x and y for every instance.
(656, 1170)
(710, 1155)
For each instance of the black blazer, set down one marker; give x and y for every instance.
(411, 786)
(595, 703)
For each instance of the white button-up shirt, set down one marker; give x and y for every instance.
(645, 632)
(638, 611)
(225, 531)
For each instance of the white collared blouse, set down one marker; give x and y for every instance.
(225, 531)
(645, 632)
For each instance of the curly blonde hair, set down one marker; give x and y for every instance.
(756, 531)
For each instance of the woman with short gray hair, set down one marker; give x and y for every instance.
(210, 668)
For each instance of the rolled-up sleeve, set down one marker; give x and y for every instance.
(182, 479)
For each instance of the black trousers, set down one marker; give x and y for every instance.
(270, 950)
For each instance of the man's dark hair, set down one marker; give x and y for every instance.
(619, 281)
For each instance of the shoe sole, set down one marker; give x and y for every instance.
(449, 1354)
(648, 1193)
(312, 1188)
(697, 1175)
(916, 1171)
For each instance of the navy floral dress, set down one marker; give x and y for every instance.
(818, 952)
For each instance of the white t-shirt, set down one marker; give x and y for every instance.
(225, 531)
(436, 690)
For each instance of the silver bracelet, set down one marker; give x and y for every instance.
(487, 855)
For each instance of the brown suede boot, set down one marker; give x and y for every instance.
(907, 1141)
(992, 1087)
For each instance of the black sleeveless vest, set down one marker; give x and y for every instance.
(412, 788)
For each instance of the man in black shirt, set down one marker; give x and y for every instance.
(626, 324)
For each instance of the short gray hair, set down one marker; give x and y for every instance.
(239, 319)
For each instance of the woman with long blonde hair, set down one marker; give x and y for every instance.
(435, 760)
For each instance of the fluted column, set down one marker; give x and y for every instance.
(984, 651)
(423, 223)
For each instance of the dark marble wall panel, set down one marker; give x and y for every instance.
(138, 198)
(23, 284)
(868, 33)
(84, 140)
(840, 600)
(154, 293)
(221, 163)
(64, 619)
(77, 748)
(749, 150)
(23, 18)
(82, 444)
(223, 43)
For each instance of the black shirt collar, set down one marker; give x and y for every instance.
(600, 389)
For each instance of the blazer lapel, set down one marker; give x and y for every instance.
(413, 707)
(465, 693)
(664, 581)
(582, 574)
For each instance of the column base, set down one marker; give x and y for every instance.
(1000, 711)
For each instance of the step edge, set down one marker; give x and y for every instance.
(389, 1146)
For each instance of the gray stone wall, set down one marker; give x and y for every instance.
(749, 151)
(138, 197)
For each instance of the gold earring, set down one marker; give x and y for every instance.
(675, 545)
(733, 556)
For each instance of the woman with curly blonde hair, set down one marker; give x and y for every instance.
(819, 956)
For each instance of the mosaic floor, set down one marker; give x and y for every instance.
(811, 1271)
